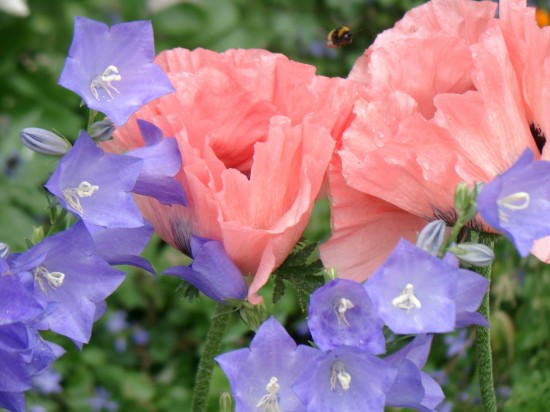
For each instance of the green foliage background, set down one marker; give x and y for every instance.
(158, 375)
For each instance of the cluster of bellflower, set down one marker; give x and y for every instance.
(61, 283)
(419, 290)
(412, 293)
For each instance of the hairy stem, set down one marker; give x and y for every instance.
(211, 348)
(483, 337)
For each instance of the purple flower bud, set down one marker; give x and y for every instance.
(102, 130)
(431, 237)
(474, 254)
(43, 141)
(4, 250)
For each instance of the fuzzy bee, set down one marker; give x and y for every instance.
(339, 37)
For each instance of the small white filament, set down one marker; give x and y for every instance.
(104, 80)
(407, 299)
(72, 195)
(269, 402)
(54, 279)
(339, 375)
(340, 308)
(513, 203)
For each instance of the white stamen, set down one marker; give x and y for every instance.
(269, 402)
(514, 202)
(104, 81)
(72, 194)
(340, 307)
(407, 300)
(339, 374)
(54, 279)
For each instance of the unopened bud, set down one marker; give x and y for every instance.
(43, 141)
(226, 402)
(474, 254)
(4, 250)
(102, 130)
(465, 201)
(431, 237)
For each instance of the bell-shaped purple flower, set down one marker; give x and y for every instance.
(71, 277)
(212, 271)
(161, 162)
(414, 291)
(122, 246)
(261, 377)
(412, 387)
(113, 68)
(345, 379)
(517, 202)
(341, 314)
(23, 353)
(96, 186)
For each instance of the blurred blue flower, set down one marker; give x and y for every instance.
(101, 401)
(112, 68)
(140, 336)
(47, 382)
(116, 322)
(456, 343)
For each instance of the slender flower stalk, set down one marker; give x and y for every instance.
(211, 348)
(483, 335)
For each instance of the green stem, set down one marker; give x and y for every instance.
(483, 337)
(211, 348)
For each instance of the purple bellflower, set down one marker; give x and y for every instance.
(122, 246)
(68, 275)
(345, 379)
(414, 291)
(261, 377)
(96, 186)
(341, 314)
(113, 69)
(212, 271)
(161, 162)
(412, 387)
(22, 350)
(518, 201)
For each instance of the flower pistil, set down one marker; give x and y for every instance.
(407, 299)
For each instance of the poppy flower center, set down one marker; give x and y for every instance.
(538, 136)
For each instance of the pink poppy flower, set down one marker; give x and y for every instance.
(256, 132)
(458, 95)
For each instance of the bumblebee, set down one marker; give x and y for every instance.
(339, 37)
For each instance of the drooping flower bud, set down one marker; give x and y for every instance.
(102, 130)
(474, 254)
(43, 141)
(4, 250)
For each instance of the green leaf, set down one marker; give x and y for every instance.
(303, 270)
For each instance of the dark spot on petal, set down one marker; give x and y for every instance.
(538, 136)
(181, 232)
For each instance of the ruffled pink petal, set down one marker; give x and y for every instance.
(365, 229)
(256, 132)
